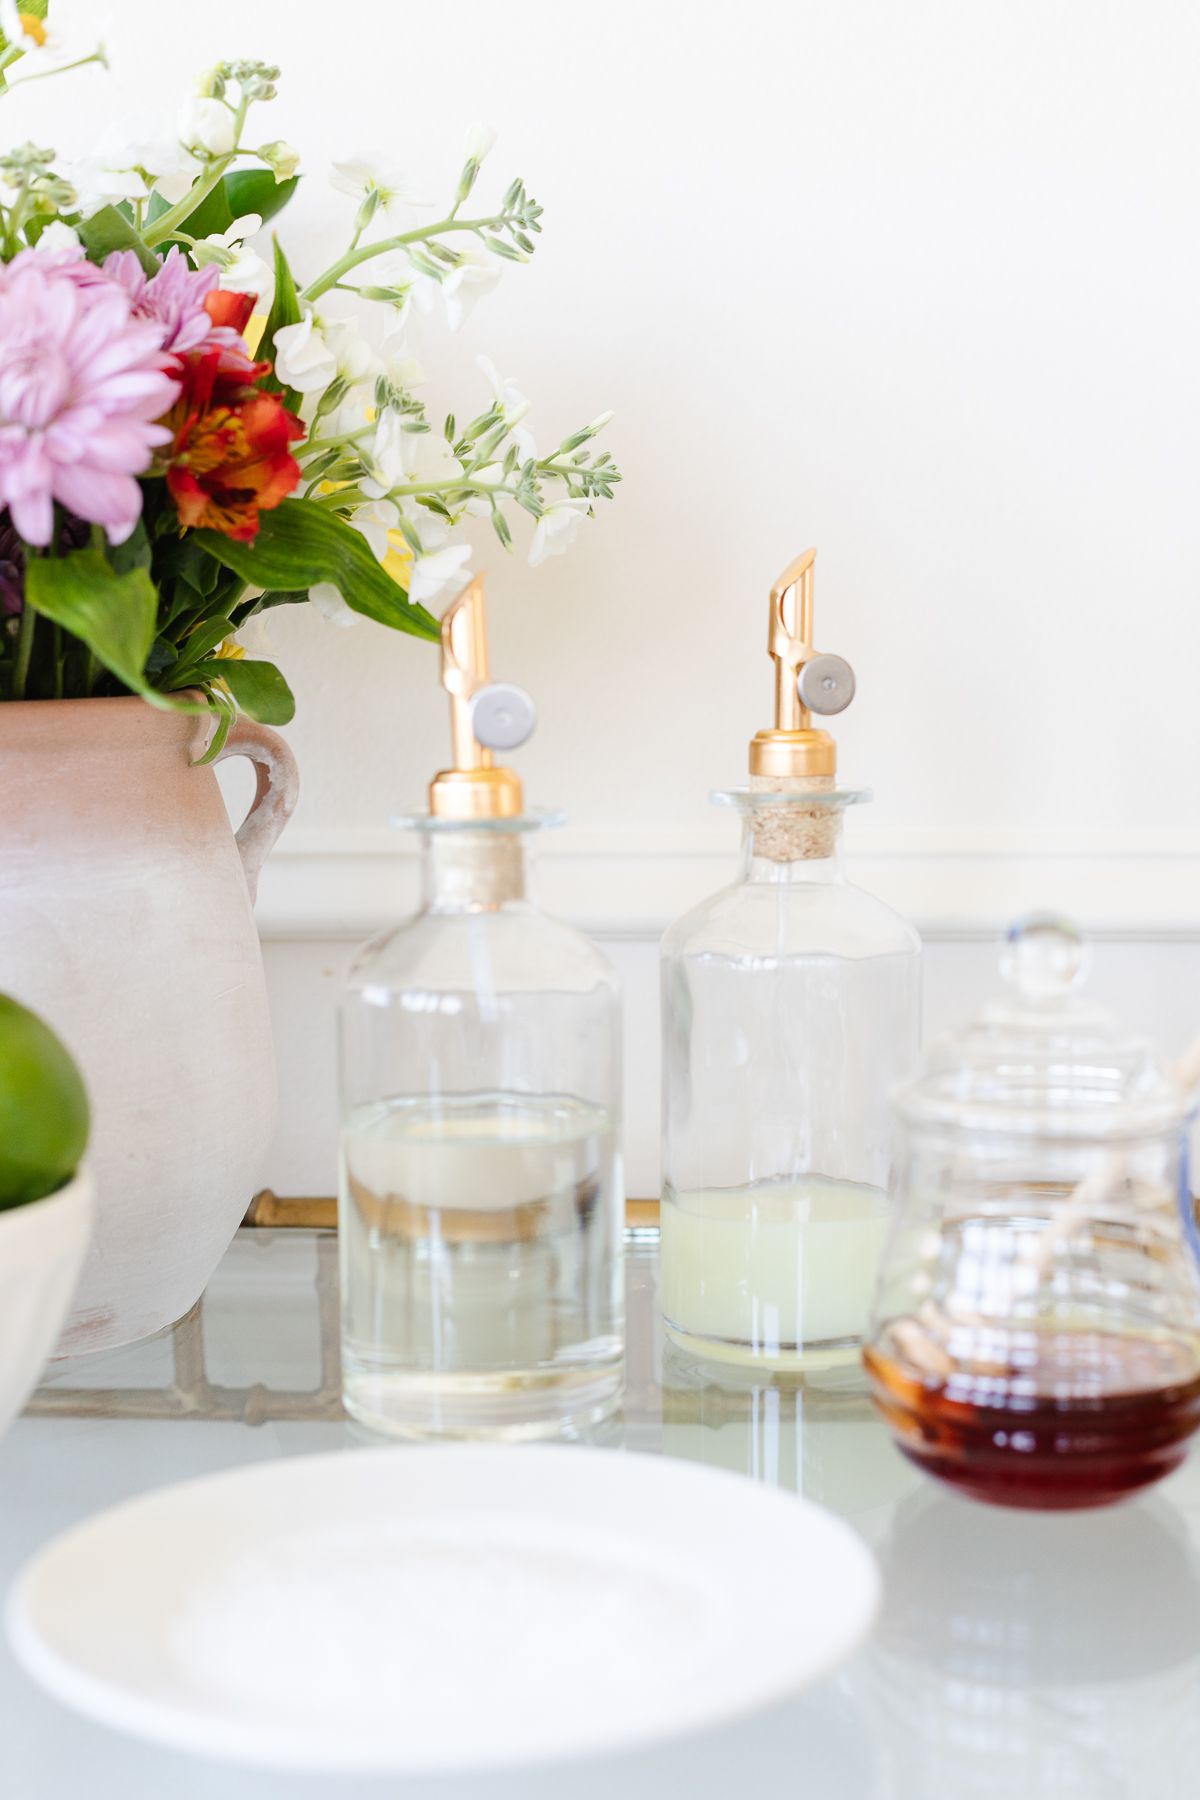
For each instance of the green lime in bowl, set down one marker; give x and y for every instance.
(43, 1108)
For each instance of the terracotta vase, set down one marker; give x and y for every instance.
(126, 921)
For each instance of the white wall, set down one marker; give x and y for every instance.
(917, 283)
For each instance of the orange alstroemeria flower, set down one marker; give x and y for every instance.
(230, 457)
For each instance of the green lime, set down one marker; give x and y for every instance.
(43, 1108)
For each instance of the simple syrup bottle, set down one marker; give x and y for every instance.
(481, 1202)
(790, 1010)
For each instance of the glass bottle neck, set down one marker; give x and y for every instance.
(784, 849)
(468, 870)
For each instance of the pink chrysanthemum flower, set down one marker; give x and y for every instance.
(175, 298)
(82, 382)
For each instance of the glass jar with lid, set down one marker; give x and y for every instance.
(1035, 1338)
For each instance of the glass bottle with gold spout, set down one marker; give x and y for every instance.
(790, 1009)
(481, 1203)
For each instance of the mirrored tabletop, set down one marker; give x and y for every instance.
(1017, 1654)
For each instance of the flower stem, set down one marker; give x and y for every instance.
(97, 56)
(315, 446)
(183, 209)
(353, 257)
(24, 652)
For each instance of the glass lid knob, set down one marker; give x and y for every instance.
(1044, 957)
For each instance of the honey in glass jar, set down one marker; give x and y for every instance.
(1035, 1338)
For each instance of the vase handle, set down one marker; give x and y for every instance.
(275, 795)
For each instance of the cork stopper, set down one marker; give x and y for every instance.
(481, 869)
(794, 834)
(793, 756)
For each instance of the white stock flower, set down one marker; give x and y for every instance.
(367, 181)
(171, 168)
(513, 405)
(402, 458)
(389, 276)
(505, 391)
(207, 124)
(431, 572)
(58, 235)
(303, 360)
(480, 139)
(282, 158)
(555, 530)
(346, 359)
(329, 603)
(375, 520)
(430, 529)
(467, 282)
(474, 275)
(352, 353)
(399, 368)
(242, 268)
(390, 454)
(111, 173)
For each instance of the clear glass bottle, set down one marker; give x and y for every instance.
(791, 1007)
(1036, 1331)
(481, 1201)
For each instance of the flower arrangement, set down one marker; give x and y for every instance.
(189, 435)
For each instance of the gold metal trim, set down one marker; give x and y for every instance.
(274, 1212)
(191, 1395)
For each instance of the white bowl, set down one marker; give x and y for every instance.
(42, 1247)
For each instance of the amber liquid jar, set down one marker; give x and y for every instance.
(998, 1436)
(1036, 1331)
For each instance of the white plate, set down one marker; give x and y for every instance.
(436, 1609)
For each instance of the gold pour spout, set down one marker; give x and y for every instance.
(806, 681)
(473, 788)
(789, 639)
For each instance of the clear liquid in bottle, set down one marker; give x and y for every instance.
(481, 1279)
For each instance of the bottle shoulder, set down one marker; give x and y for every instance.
(833, 918)
(513, 946)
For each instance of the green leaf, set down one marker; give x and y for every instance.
(180, 558)
(258, 687)
(247, 191)
(299, 544)
(113, 614)
(107, 231)
(198, 645)
(257, 191)
(134, 553)
(285, 310)
(226, 712)
(211, 215)
(280, 597)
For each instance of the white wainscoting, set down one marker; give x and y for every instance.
(323, 894)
